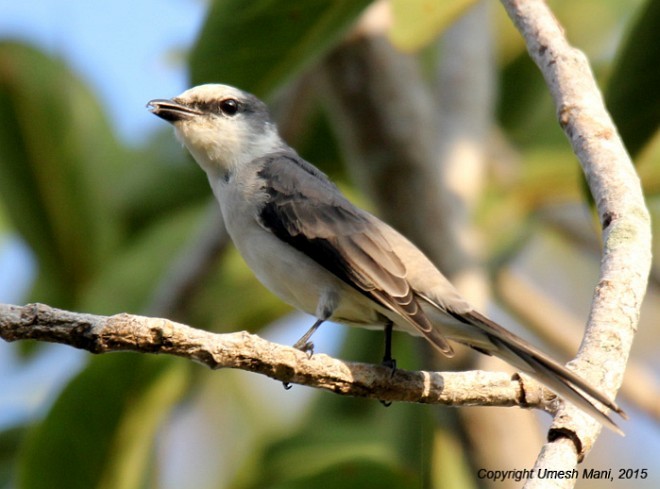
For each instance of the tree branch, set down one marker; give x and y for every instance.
(624, 218)
(241, 350)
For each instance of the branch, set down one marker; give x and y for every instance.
(624, 218)
(241, 350)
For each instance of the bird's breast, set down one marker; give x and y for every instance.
(290, 274)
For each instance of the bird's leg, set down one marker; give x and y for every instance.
(388, 361)
(304, 345)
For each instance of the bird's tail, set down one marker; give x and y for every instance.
(566, 384)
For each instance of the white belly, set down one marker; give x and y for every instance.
(291, 275)
(300, 281)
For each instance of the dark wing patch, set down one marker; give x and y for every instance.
(306, 210)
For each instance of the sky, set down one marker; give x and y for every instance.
(129, 52)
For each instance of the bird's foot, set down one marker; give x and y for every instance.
(305, 347)
(391, 364)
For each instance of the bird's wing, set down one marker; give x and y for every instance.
(304, 209)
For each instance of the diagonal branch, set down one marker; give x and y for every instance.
(625, 221)
(241, 350)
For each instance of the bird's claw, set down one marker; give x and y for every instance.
(305, 347)
(391, 364)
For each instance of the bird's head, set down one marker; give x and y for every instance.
(221, 126)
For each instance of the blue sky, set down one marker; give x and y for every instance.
(128, 51)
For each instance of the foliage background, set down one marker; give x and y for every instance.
(107, 220)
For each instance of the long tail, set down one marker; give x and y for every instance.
(536, 364)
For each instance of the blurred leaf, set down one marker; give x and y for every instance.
(234, 299)
(594, 26)
(131, 274)
(149, 404)
(358, 472)
(100, 431)
(521, 86)
(632, 94)
(58, 159)
(416, 23)
(319, 145)
(525, 108)
(452, 463)
(163, 179)
(10, 440)
(260, 44)
(648, 168)
(335, 454)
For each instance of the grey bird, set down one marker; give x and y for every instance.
(321, 254)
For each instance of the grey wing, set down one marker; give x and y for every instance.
(304, 209)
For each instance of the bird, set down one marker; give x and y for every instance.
(317, 251)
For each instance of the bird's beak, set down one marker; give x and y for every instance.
(171, 110)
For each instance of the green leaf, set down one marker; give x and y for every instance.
(632, 92)
(128, 279)
(258, 45)
(163, 180)
(100, 432)
(58, 162)
(336, 453)
(522, 93)
(416, 23)
(9, 442)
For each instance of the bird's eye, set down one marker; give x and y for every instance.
(229, 106)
